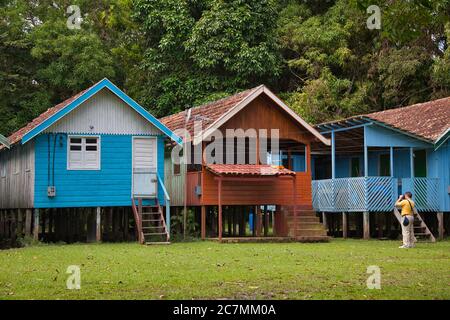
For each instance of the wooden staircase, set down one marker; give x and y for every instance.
(421, 231)
(150, 223)
(304, 225)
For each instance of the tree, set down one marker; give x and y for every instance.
(196, 49)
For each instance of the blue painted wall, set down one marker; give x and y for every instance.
(439, 167)
(377, 136)
(109, 186)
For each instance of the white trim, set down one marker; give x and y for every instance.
(99, 150)
(156, 162)
(205, 134)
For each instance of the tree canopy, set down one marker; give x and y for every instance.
(320, 56)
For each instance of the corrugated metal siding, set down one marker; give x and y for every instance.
(109, 186)
(104, 113)
(174, 183)
(17, 177)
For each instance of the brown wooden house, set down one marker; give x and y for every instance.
(266, 193)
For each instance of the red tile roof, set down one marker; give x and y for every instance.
(207, 113)
(249, 170)
(428, 120)
(18, 135)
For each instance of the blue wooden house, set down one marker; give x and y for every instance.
(375, 157)
(94, 156)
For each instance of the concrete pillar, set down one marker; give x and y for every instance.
(366, 225)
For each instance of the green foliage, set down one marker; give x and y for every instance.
(173, 54)
(192, 228)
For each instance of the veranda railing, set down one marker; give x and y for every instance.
(372, 193)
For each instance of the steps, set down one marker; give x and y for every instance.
(304, 225)
(421, 231)
(150, 223)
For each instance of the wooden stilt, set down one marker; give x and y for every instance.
(258, 220)
(220, 210)
(344, 225)
(98, 233)
(36, 225)
(203, 222)
(440, 219)
(20, 223)
(28, 215)
(241, 219)
(366, 225)
(324, 220)
(266, 222)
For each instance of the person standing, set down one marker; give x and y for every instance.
(407, 205)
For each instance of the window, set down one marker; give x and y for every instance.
(83, 153)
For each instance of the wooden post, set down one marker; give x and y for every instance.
(242, 225)
(324, 221)
(266, 222)
(234, 220)
(294, 207)
(36, 225)
(258, 220)
(20, 222)
(344, 225)
(380, 224)
(220, 210)
(366, 225)
(203, 222)
(98, 229)
(28, 216)
(333, 155)
(440, 219)
(411, 164)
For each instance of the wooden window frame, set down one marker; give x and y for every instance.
(83, 150)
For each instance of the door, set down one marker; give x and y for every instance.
(355, 167)
(420, 163)
(144, 167)
(385, 165)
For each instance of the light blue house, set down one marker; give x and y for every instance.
(375, 157)
(99, 149)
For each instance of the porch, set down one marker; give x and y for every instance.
(373, 194)
(369, 165)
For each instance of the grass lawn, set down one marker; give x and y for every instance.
(335, 270)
